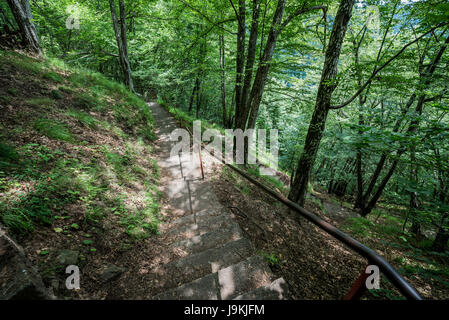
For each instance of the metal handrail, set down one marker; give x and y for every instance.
(373, 258)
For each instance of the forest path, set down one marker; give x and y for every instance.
(214, 261)
(336, 212)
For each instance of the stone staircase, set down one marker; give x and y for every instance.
(218, 263)
(213, 260)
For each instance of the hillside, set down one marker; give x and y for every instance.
(77, 174)
(320, 169)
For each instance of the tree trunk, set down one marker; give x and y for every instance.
(240, 55)
(359, 157)
(441, 239)
(223, 79)
(251, 57)
(264, 66)
(327, 86)
(372, 203)
(198, 98)
(22, 14)
(120, 36)
(128, 75)
(195, 89)
(416, 226)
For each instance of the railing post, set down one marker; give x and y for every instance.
(358, 288)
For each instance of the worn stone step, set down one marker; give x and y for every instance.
(177, 192)
(206, 225)
(190, 164)
(188, 197)
(208, 240)
(203, 196)
(277, 290)
(184, 270)
(191, 218)
(250, 279)
(244, 276)
(205, 288)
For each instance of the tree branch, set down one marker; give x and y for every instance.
(377, 70)
(301, 11)
(237, 15)
(206, 17)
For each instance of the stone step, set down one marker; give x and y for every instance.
(202, 226)
(203, 196)
(190, 219)
(208, 240)
(249, 278)
(205, 288)
(190, 164)
(277, 290)
(188, 197)
(244, 276)
(187, 269)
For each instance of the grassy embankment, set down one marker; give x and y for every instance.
(76, 160)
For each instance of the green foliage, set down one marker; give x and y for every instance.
(53, 129)
(13, 91)
(87, 242)
(51, 193)
(85, 118)
(87, 102)
(41, 102)
(272, 259)
(360, 226)
(8, 156)
(56, 94)
(50, 75)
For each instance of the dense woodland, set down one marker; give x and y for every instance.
(357, 89)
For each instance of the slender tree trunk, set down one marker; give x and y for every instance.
(372, 203)
(198, 98)
(362, 99)
(359, 170)
(327, 86)
(223, 79)
(248, 113)
(416, 226)
(120, 36)
(195, 89)
(442, 237)
(128, 75)
(264, 65)
(251, 57)
(240, 55)
(22, 14)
